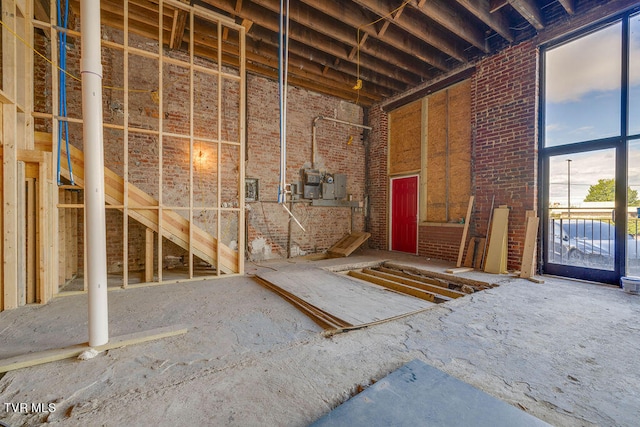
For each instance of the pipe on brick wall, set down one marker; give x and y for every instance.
(283, 69)
(314, 141)
(91, 70)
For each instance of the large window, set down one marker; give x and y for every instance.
(589, 150)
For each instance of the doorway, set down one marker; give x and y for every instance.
(404, 214)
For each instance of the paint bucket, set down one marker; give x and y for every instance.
(630, 284)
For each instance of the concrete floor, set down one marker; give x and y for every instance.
(564, 351)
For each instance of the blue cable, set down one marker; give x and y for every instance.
(62, 102)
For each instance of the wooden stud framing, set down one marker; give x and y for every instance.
(9, 160)
(148, 257)
(21, 234)
(47, 235)
(31, 240)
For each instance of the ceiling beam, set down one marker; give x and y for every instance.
(442, 13)
(427, 33)
(496, 21)
(351, 15)
(495, 5)
(178, 27)
(310, 72)
(41, 10)
(569, 6)
(328, 61)
(332, 43)
(529, 11)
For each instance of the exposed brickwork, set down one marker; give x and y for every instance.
(504, 102)
(439, 242)
(504, 94)
(268, 234)
(377, 180)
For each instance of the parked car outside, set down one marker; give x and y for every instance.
(587, 243)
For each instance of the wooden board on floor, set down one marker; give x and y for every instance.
(38, 358)
(352, 301)
(348, 244)
(458, 270)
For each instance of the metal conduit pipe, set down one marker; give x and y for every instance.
(314, 142)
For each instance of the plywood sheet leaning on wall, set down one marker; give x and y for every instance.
(348, 244)
(405, 136)
(527, 268)
(496, 261)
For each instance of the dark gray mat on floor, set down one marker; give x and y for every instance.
(418, 394)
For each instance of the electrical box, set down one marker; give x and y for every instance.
(311, 182)
(340, 184)
(328, 191)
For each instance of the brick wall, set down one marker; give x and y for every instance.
(377, 179)
(504, 102)
(268, 222)
(504, 158)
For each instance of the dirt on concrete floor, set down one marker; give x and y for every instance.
(564, 351)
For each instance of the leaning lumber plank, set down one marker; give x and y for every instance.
(415, 283)
(33, 359)
(529, 252)
(404, 289)
(463, 241)
(471, 252)
(348, 244)
(496, 261)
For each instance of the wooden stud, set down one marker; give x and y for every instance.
(62, 239)
(33, 359)
(74, 235)
(21, 235)
(463, 242)
(31, 241)
(69, 243)
(148, 258)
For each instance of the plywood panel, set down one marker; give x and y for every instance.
(436, 158)
(350, 300)
(448, 153)
(405, 135)
(459, 148)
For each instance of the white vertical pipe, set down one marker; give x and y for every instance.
(91, 69)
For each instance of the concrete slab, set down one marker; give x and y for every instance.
(563, 351)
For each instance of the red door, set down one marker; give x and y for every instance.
(404, 214)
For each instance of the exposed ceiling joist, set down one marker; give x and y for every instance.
(530, 11)
(391, 46)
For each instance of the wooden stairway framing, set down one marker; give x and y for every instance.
(174, 227)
